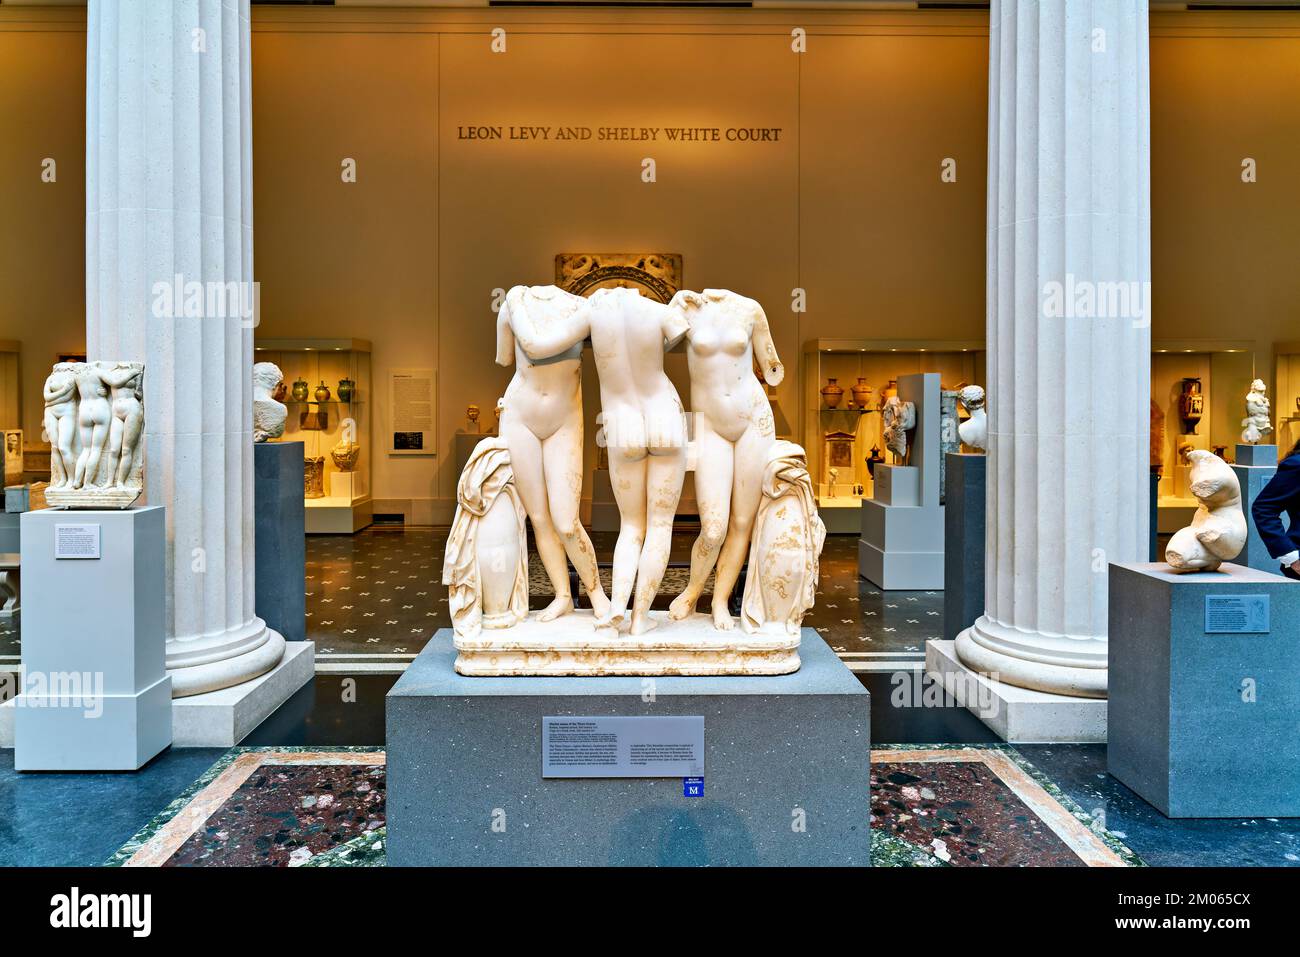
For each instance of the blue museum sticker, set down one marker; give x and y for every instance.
(693, 787)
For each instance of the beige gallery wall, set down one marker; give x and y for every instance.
(848, 204)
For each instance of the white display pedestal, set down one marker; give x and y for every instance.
(96, 695)
(902, 526)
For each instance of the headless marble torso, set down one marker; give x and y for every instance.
(644, 429)
(541, 422)
(734, 432)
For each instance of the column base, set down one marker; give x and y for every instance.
(1054, 664)
(257, 653)
(1016, 715)
(221, 719)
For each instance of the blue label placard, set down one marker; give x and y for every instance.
(693, 787)
(1236, 615)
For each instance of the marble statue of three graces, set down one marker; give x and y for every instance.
(753, 491)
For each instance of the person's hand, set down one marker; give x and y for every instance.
(1295, 566)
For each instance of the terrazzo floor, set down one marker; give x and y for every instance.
(288, 807)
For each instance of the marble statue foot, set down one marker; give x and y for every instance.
(642, 624)
(562, 605)
(722, 619)
(600, 603)
(604, 630)
(682, 607)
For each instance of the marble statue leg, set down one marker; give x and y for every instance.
(628, 478)
(664, 476)
(713, 471)
(562, 458)
(180, 202)
(746, 492)
(530, 479)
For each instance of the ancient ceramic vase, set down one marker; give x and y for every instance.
(300, 390)
(322, 392)
(875, 459)
(861, 393)
(832, 394)
(347, 388)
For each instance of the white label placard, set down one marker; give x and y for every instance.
(76, 541)
(601, 746)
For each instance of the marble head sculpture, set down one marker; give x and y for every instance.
(1257, 422)
(753, 492)
(269, 413)
(94, 421)
(1218, 530)
(975, 430)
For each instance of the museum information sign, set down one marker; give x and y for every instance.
(1236, 615)
(411, 406)
(667, 746)
(76, 541)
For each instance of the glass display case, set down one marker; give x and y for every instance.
(845, 382)
(1286, 397)
(328, 395)
(1198, 399)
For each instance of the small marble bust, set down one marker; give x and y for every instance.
(975, 430)
(269, 412)
(1257, 422)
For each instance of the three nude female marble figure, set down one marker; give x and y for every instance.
(644, 427)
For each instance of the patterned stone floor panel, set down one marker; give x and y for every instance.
(980, 806)
(267, 807)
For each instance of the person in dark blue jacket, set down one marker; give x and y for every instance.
(1281, 496)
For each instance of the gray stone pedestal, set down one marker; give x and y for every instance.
(96, 695)
(280, 538)
(1256, 466)
(1202, 717)
(963, 542)
(786, 774)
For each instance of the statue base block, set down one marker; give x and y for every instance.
(570, 645)
(91, 497)
(786, 770)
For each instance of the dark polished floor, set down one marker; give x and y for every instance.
(384, 585)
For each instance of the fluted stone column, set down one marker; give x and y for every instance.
(1069, 264)
(169, 202)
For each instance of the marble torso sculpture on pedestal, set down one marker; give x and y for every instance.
(753, 492)
(1257, 422)
(975, 430)
(269, 412)
(898, 416)
(94, 420)
(1218, 530)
